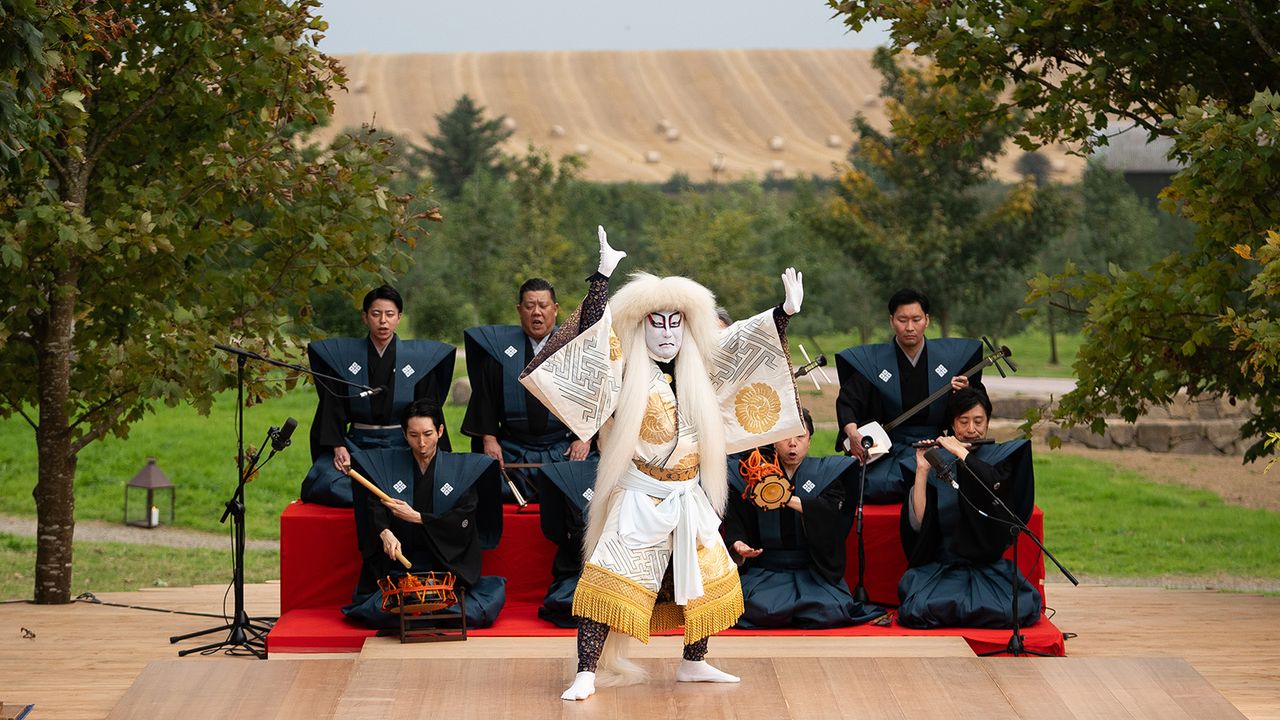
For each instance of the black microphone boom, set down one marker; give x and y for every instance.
(935, 459)
(809, 367)
(281, 438)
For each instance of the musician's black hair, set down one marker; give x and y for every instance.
(383, 292)
(807, 419)
(536, 285)
(962, 401)
(907, 296)
(422, 408)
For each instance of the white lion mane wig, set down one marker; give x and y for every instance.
(695, 395)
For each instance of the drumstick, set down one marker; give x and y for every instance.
(381, 496)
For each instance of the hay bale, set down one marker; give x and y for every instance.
(673, 134)
(652, 157)
(777, 167)
(557, 131)
(776, 143)
(717, 163)
(834, 141)
(509, 123)
(582, 149)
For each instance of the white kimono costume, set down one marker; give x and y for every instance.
(658, 512)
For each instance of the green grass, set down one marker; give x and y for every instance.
(1030, 350)
(1103, 521)
(196, 452)
(104, 567)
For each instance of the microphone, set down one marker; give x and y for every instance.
(374, 391)
(280, 438)
(810, 366)
(938, 463)
(867, 442)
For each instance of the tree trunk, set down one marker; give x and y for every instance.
(1053, 338)
(56, 474)
(55, 486)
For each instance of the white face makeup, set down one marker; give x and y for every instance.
(663, 334)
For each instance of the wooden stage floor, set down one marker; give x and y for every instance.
(1139, 652)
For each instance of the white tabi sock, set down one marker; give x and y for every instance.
(583, 687)
(701, 671)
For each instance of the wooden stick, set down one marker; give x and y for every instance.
(381, 496)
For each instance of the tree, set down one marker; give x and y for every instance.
(1202, 73)
(916, 208)
(465, 144)
(161, 204)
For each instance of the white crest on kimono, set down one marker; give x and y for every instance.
(885, 375)
(941, 370)
(510, 351)
(445, 489)
(353, 368)
(399, 486)
(408, 371)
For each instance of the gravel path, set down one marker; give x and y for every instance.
(101, 531)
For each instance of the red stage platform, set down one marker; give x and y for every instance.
(319, 564)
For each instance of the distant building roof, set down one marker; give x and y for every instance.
(1128, 150)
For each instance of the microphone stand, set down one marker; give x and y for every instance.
(1016, 645)
(860, 591)
(245, 635)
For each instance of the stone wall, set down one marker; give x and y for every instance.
(1206, 426)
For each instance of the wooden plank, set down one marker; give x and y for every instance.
(233, 688)
(671, 646)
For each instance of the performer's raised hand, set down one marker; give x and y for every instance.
(793, 286)
(609, 257)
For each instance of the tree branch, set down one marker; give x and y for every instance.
(18, 409)
(85, 416)
(1251, 23)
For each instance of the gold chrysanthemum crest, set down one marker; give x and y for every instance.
(757, 407)
(659, 424)
(615, 347)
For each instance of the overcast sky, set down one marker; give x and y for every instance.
(424, 26)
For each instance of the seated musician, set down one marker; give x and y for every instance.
(880, 382)
(435, 518)
(955, 539)
(793, 558)
(564, 489)
(401, 370)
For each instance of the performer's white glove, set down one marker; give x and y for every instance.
(609, 257)
(793, 285)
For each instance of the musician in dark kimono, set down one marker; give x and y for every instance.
(401, 370)
(955, 536)
(503, 419)
(878, 382)
(565, 489)
(792, 559)
(435, 518)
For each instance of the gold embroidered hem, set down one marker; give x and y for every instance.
(624, 605)
(717, 609)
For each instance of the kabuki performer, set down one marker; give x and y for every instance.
(670, 395)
